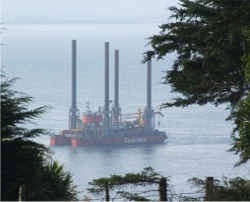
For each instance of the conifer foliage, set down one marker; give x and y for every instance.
(24, 161)
(241, 113)
(209, 38)
(124, 187)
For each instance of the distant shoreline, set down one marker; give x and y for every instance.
(79, 22)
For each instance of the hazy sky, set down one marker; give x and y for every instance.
(63, 11)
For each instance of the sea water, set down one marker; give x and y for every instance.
(40, 55)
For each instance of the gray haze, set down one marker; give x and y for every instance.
(85, 11)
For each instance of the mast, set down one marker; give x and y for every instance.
(106, 120)
(149, 84)
(148, 110)
(73, 112)
(116, 108)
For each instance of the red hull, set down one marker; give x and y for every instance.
(78, 142)
(59, 140)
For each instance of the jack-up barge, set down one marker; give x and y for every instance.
(109, 126)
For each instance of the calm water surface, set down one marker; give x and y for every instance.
(41, 56)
